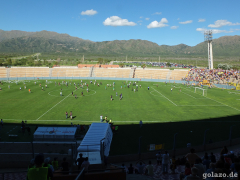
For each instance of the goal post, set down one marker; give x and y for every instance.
(201, 91)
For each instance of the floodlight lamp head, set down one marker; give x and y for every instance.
(208, 35)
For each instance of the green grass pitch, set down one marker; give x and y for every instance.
(166, 112)
(158, 104)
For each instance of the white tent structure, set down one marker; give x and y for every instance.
(97, 141)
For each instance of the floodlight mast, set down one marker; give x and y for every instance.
(208, 39)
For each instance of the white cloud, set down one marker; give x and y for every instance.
(141, 17)
(89, 12)
(159, 24)
(117, 21)
(186, 22)
(140, 21)
(220, 23)
(147, 19)
(174, 27)
(178, 19)
(214, 31)
(201, 20)
(158, 13)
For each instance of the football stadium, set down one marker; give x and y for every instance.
(119, 90)
(113, 115)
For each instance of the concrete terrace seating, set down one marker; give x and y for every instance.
(3, 72)
(70, 72)
(151, 73)
(178, 74)
(29, 72)
(112, 72)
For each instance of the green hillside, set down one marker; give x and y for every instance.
(52, 42)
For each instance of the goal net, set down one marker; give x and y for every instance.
(201, 91)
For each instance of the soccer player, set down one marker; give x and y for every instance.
(121, 87)
(180, 89)
(71, 115)
(105, 88)
(116, 93)
(42, 88)
(148, 87)
(29, 90)
(171, 89)
(134, 90)
(72, 93)
(87, 90)
(66, 113)
(82, 93)
(113, 89)
(75, 96)
(111, 97)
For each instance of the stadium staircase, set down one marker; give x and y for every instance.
(50, 72)
(132, 73)
(91, 71)
(169, 74)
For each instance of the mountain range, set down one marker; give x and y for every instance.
(51, 42)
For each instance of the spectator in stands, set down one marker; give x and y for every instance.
(201, 169)
(124, 167)
(212, 158)
(194, 175)
(210, 170)
(205, 155)
(149, 169)
(165, 161)
(159, 158)
(173, 165)
(31, 165)
(79, 161)
(183, 160)
(65, 165)
(130, 169)
(39, 172)
(47, 164)
(236, 161)
(191, 157)
(55, 163)
(186, 172)
(206, 162)
(226, 168)
(140, 168)
(224, 150)
(85, 164)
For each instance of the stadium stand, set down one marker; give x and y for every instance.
(112, 72)
(178, 74)
(152, 73)
(70, 72)
(3, 72)
(29, 72)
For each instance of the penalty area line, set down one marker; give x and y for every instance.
(164, 96)
(53, 107)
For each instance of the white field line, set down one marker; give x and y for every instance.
(189, 95)
(220, 102)
(154, 94)
(53, 107)
(165, 97)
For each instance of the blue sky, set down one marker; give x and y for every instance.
(168, 22)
